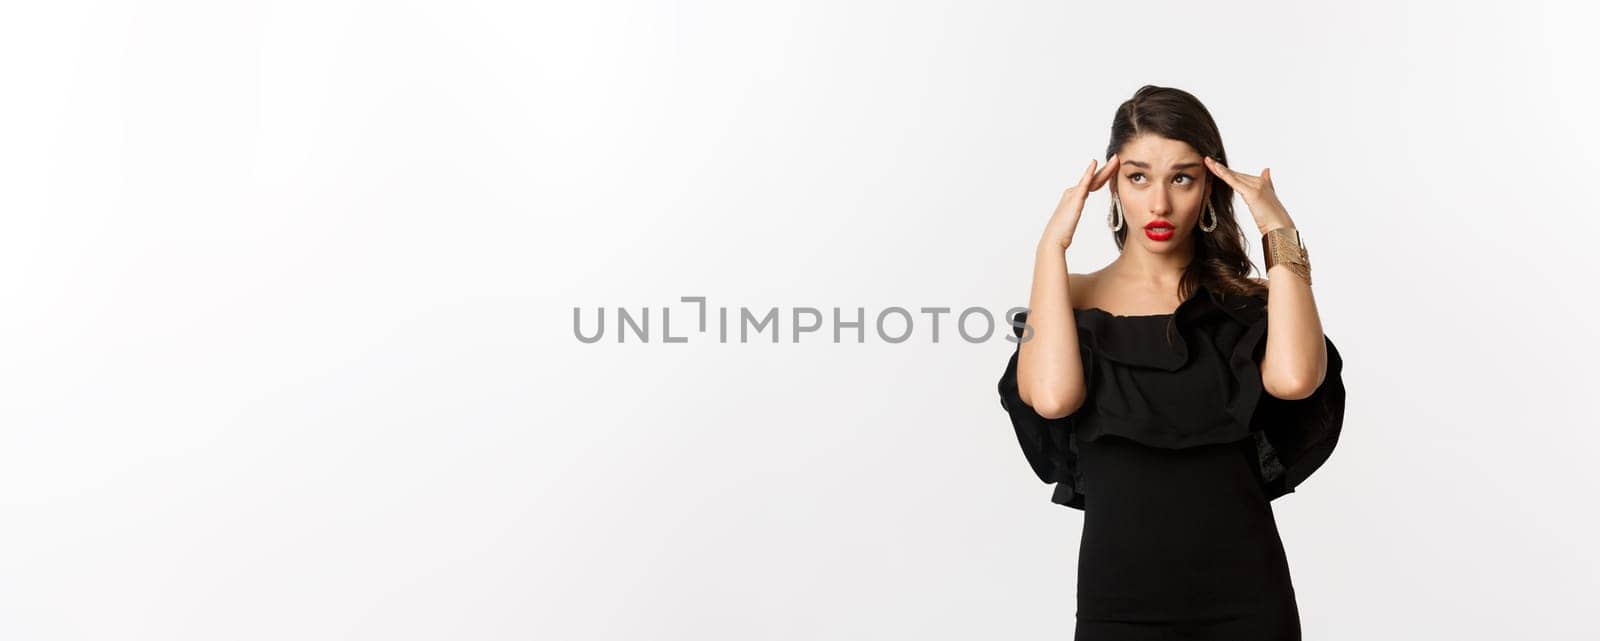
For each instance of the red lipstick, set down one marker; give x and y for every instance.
(1158, 230)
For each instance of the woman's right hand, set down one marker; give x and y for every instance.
(1058, 232)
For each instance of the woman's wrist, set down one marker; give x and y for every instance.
(1283, 247)
(1274, 221)
(1050, 245)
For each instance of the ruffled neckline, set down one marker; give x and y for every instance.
(1158, 341)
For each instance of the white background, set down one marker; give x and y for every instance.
(288, 289)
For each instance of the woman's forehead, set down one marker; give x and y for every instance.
(1150, 151)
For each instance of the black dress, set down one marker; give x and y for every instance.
(1174, 458)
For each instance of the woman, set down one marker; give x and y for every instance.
(1170, 395)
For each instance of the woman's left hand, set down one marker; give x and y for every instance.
(1258, 195)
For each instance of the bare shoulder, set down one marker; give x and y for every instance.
(1082, 287)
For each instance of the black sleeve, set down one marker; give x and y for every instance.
(1046, 443)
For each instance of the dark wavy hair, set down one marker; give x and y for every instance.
(1220, 261)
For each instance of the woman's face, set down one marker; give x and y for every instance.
(1160, 181)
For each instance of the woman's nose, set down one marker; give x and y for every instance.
(1159, 202)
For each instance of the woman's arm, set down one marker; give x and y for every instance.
(1296, 359)
(1049, 368)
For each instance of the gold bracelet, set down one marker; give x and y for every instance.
(1284, 245)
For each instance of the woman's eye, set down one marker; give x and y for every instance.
(1134, 177)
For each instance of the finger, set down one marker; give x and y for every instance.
(1105, 173)
(1222, 172)
(1079, 191)
(1217, 167)
(1241, 176)
(1087, 173)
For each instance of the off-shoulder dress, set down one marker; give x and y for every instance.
(1173, 458)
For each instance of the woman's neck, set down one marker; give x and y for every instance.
(1146, 269)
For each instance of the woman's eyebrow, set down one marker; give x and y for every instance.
(1145, 165)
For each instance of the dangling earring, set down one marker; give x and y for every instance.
(1116, 214)
(1213, 212)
